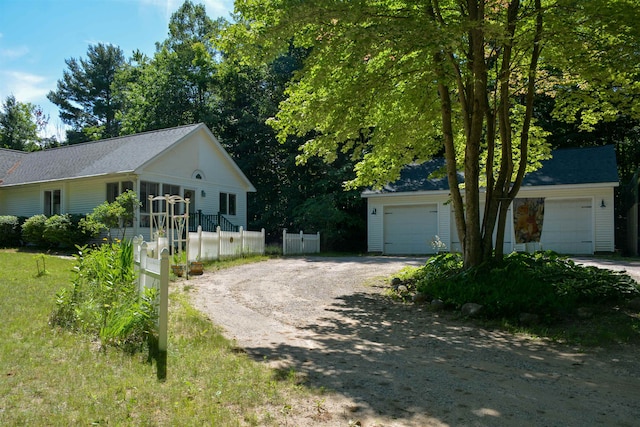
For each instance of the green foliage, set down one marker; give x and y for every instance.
(63, 231)
(19, 125)
(176, 86)
(107, 216)
(131, 323)
(115, 388)
(33, 230)
(9, 231)
(84, 95)
(541, 283)
(103, 300)
(374, 87)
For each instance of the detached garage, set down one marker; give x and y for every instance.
(573, 194)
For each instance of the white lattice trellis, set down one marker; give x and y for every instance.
(170, 225)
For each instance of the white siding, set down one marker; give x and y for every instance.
(375, 211)
(82, 196)
(22, 201)
(197, 153)
(604, 220)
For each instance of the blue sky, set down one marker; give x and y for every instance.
(36, 36)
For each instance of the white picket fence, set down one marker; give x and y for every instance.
(154, 273)
(205, 245)
(300, 243)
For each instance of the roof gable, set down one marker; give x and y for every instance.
(569, 166)
(114, 155)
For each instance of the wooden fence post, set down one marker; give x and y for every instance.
(284, 241)
(163, 312)
(142, 276)
(241, 230)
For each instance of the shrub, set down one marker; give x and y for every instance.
(541, 283)
(9, 231)
(103, 300)
(65, 231)
(33, 230)
(57, 231)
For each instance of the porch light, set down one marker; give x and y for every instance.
(602, 205)
(373, 212)
(202, 193)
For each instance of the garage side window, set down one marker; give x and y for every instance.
(227, 204)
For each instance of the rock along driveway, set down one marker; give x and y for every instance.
(391, 364)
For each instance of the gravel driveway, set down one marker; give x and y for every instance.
(389, 364)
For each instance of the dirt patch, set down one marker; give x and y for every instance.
(389, 364)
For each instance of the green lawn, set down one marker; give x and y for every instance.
(54, 377)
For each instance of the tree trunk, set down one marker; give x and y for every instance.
(476, 109)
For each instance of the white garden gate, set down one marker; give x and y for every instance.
(300, 243)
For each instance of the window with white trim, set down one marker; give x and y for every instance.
(227, 203)
(114, 189)
(148, 189)
(52, 201)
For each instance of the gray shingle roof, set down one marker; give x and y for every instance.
(114, 155)
(566, 166)
(9, 159)
(589, 165)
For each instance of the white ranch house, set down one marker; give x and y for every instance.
(577, 186)
(187, 161)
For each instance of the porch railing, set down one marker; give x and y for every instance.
(210, 222)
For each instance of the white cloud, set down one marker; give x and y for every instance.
(14, 53)
(25, 87)
(32, 88)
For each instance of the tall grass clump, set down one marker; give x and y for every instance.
(542, 283)
(103, 300)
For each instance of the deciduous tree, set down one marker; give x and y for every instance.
(397, 81)
(19, 125)
(176, 86)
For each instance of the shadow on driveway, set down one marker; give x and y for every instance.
(418, 368)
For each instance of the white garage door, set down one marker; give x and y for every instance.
(567, 227)
(410, 229)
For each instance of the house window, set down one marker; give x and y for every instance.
(227, 204)
(52, 202)
(172, 190)
(114, 189)
(148, 189)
